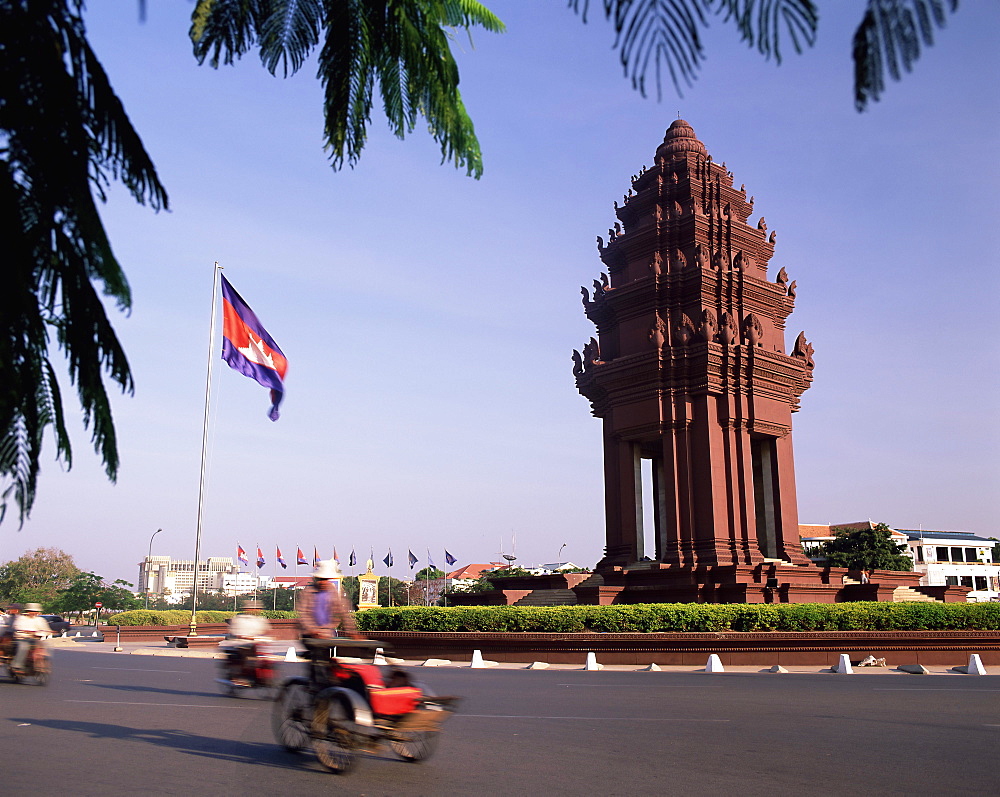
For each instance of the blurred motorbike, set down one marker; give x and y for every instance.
(344, 709)
(246, 667)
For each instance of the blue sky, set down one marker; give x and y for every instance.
(428, 318)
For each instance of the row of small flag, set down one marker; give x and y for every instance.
(300, 558)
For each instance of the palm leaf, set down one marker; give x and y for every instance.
(403, 46)
(66, 135)
(888, 40)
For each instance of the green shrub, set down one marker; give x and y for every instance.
(181, 617)
(699, 617)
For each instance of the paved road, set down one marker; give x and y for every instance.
(117, 725)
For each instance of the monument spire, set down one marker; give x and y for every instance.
(689, 370)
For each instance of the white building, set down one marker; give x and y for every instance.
(161, 575)
(955, 558)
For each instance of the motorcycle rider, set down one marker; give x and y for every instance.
(245, 630)
(322, 607)
(29, 630)
(7, 629)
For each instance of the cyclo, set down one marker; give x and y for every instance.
(344, 709)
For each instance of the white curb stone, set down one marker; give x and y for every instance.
(914, 669)
(538, 665)
(379, 657)
(654, 667)
(843, 665)
(777, 668)
(478, 663)
(592, 663)
(975, 666)
(291, 655)
(714, 664)
(437, 663)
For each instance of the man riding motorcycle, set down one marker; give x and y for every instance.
(29, 631)
(245, 630)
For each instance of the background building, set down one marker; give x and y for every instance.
(956, 558)
(161, 575)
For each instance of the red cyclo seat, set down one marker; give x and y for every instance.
(391, 700)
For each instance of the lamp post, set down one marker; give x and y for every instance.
(559, 555)
(148, 557)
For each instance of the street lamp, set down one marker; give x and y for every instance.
(149, 555)
(559, 555)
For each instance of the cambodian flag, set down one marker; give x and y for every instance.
(301, 559)
(248, 348)
(260, 558)
(280, 560)
(449, 558)
(242, 556)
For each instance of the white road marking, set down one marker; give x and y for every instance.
(594, 719)
(173, 705)
(649, 686)
(929, 689)
(141, 669)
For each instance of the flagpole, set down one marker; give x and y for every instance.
(193, 628)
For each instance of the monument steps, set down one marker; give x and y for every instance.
(902, 594)
(548, 597)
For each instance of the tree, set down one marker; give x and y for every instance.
(89, 589)
(65, 135)
(38, 576)
(665, 33)
(866, 549)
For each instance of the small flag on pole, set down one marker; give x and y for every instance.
(449, 558)
(248, 348)
(281, 561)
(430, 562)
(335, 557)
(388, 558)
(260, 558)
(242, 556)
(300, 558)
(315, 558)
(412, 558)
(353, 560)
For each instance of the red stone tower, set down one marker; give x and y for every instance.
(690, 369)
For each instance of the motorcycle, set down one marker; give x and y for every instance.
(246, 668)
(36, 666)
(345, 709)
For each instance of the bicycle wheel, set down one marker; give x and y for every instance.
(292, 715)
(414, 746)
(331, 740)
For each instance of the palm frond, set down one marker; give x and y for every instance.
(66, 135)
(289, 33)
(403, 46)
(665, 34)
(888, 40)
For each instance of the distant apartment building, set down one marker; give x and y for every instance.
(161, 575)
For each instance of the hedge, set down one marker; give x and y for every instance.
(643, 618)
(181, 617)
(673, 617)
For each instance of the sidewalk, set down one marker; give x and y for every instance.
(281, 647)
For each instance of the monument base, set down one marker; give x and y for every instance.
(655, 582)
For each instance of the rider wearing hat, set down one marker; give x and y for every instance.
(245, 629)
(29, 630)
(322, 607)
